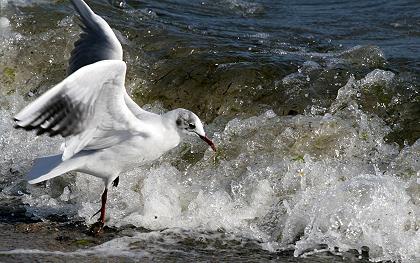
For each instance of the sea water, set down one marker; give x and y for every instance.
(315, 113)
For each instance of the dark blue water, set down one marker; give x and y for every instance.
(324, 26)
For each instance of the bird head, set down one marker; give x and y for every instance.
(187, 123)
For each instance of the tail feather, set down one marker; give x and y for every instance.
(49, 167)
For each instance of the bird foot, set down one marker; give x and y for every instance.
(97, 228)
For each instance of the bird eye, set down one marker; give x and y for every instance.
(191, 126)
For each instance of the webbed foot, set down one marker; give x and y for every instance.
(97, 228)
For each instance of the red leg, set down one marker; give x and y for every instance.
(104, 196)
(96, 228)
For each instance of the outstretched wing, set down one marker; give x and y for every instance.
(97, 41)
(95, 117)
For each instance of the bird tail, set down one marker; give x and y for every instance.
(49, 167)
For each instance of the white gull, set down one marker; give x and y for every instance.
(106, 133)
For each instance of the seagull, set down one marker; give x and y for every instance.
(105, 132)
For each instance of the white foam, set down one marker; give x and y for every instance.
(18, 148)
(4, 23)
(319, 179)
(142, 245)
(4, 3)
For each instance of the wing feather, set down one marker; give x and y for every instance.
(97, 41)
(88, 107)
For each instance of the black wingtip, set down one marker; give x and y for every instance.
(26, 128)
(53, 133)
(15, 125)
(40, 131)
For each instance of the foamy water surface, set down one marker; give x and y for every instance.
(318, 149)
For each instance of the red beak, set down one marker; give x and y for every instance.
(208, 141)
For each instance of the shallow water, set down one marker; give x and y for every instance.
(314, 108)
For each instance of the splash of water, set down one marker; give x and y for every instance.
(306, 180)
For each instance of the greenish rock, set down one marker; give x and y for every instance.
(9, 73)
(83, 242)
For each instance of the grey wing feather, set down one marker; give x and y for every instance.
(58, 116)
(95, 117)
(68, 107)
(97, 41)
